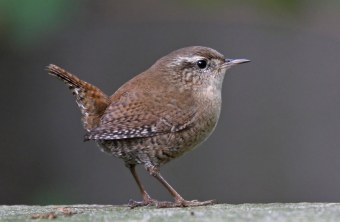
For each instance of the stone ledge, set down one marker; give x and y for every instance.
(221, 212)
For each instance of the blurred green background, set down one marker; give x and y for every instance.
(278, 135)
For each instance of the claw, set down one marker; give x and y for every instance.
(185, 203)
(165, 204)
(196, 203)
(150, 202)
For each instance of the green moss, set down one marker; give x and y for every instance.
(221, 212)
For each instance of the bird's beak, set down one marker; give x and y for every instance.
(235, 61)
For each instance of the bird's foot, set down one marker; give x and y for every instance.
(184, 203)
(147, 202)
(166, 204)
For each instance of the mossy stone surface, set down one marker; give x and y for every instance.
(221, 212)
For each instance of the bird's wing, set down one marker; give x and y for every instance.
(141, 115)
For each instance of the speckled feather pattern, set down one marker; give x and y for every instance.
(91, 100)
(160, 114)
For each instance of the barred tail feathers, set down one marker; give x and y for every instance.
(91, 100)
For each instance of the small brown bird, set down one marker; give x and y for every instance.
(158, 115)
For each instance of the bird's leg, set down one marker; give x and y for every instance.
(179, 200)
(147, 200)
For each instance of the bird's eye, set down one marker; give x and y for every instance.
(202, 64)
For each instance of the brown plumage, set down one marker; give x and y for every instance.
(160, 114)
(91, 100)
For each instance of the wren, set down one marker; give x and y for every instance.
(156, 116)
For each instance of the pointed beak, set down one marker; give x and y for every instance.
(236, 61)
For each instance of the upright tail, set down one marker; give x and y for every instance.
(91, 100)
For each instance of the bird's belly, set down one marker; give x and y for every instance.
(160, 149)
